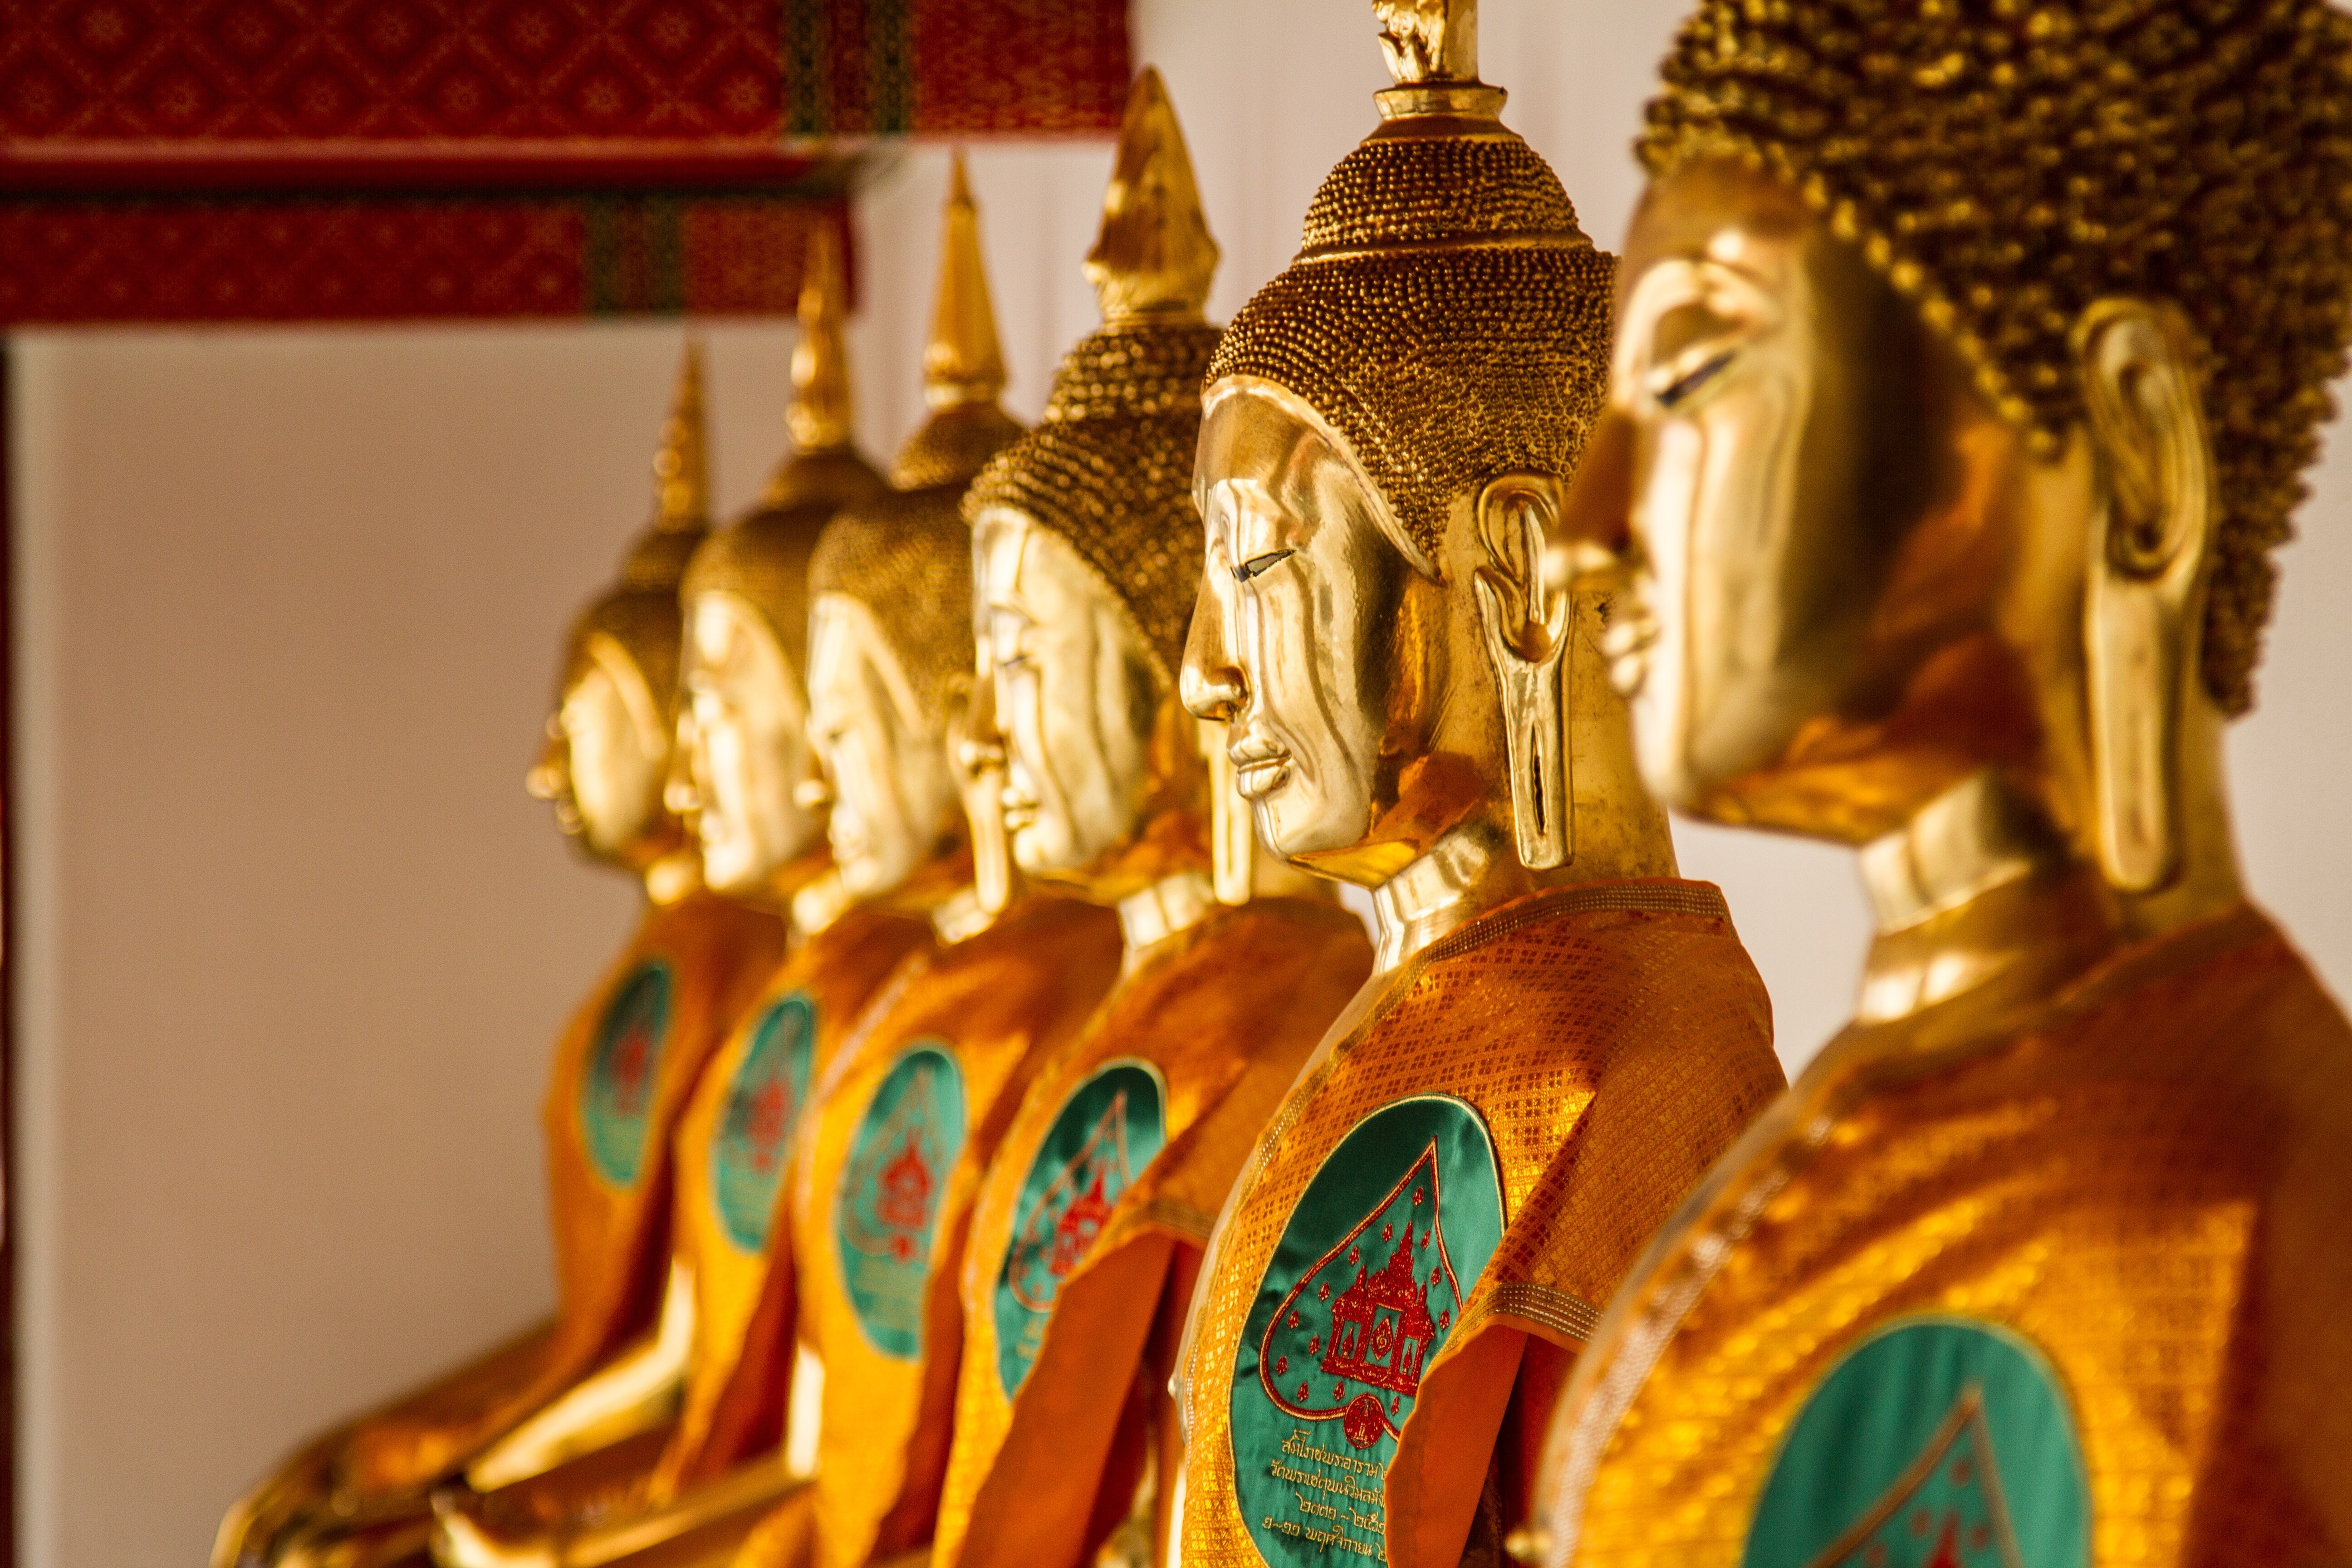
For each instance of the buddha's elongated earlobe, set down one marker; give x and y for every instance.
(2144, 603)
(1525, 622)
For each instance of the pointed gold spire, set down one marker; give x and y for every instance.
(1432, 49)
(1154, 254)
(682, 469)
(962, 363)
(818, 416)
(1428, 40)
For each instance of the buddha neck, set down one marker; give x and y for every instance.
(1173, 904)
(807, 890)
(1979, 901)
(942, 892)
(1469, 869)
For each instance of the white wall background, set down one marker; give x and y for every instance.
(295, 942)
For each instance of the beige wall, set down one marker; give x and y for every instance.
(295, 941)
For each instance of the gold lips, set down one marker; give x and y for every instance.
(1260, 775)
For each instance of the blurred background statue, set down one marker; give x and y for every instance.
(911, 1111)
(624, 1069)
(682, 1437)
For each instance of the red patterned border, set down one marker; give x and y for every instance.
(288, 160)
(269, 82)
(329, 259)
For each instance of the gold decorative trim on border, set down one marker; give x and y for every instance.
(1180, 1218)
(1572, 1315)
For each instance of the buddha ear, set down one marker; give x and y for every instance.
(2151, 537)
(1524, 615)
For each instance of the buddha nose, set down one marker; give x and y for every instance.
(1211, 683)
(548, 777)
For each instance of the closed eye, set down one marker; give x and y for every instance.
(1258, 565)
(1690, 381)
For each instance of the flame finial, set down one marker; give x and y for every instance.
(817, 417)
(962, 362)
(681, 467)
(1153, 254)
(1432, 49)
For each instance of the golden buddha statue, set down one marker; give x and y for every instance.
(624, 1069)
(1087, 1230)
(1967, 361)
(680, 1437)
(1560, 1035)
(912, 1109)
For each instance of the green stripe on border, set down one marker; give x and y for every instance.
(890, 45)
(807, 104)
(635, 261)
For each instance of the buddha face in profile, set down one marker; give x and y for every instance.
(1856, 582)
(748, 745)
(1075, 697)
(893, 792)
(1818, 502)
(607, 750)
(1300, 637)
(1953, 415)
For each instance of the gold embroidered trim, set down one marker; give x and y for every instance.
(1180, 1218)
(1537, 1304)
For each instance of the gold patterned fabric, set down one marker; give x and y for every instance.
(904, 1125)
(2006, 165)
(1446, 315)
(618, 1087)
(1606, 1041)
(1110, 468)
(2141, 1188)
(1220, 1015)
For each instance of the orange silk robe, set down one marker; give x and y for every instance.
(732, 1148)
(1461, 1174)
(1089, 1226)
(905, 1124)
(2071, 1287)
(624, 1069)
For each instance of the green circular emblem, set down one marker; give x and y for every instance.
(616, 1094)
(886, 1210)
(755, 1126)
(1105, 1132)
(1934, 1442)
(1364, 1288)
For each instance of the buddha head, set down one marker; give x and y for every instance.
(607, 750)
(745, 599)
(1968, 355)
(1086, 550)
(1388, 426)
(890, 655)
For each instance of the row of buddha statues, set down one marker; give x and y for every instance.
(998, 1148)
